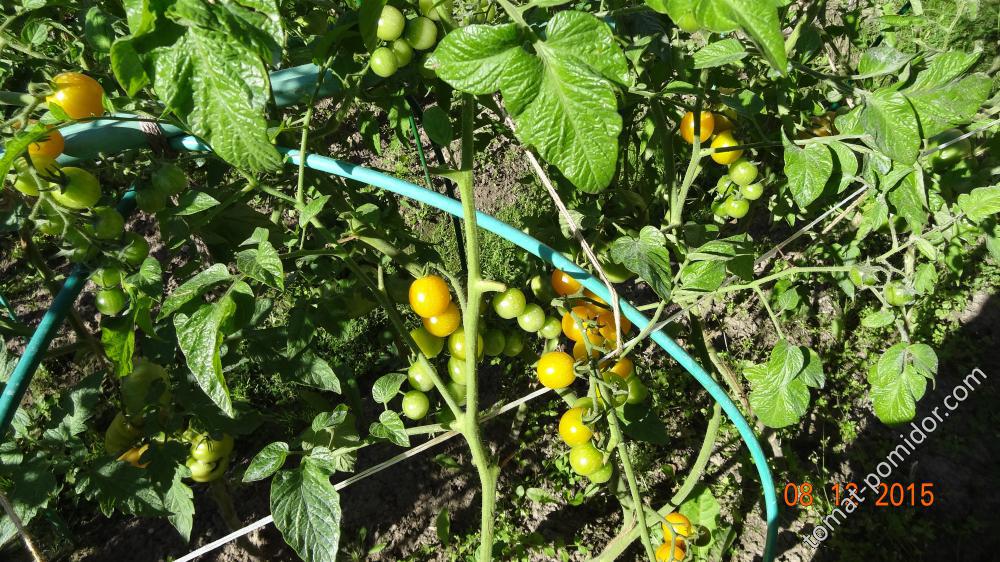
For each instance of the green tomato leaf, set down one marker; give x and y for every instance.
(647, 257)
(719, 53)
(778, 394)
(891, 122)
(899, 380)
(437, 125)
(879, 319)
(881, 60)
(97, 29)
(702, 276)
(714, 15)
(306, 509)
(194, 287)
(199, 338)
(368, 16)
(980, 203)
(32, 487)
(75, 408)
(807, 170)
(910, 201)
(759, 18)
(390, 426)
(955, 103)
(269, 460)
(118, 339)
(312, 370)
(812, 372)
(562, 100)
(179, 502)
(701, 508)
(387, 387)
(845, 165)
(193, 202)
(943, 69)
(262, 264)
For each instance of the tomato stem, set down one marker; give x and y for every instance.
(637, 505)
(17, 98)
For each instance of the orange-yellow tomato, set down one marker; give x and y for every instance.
(676, 524)
(707, 126)
(573, 329)
(606, 323)
(723, 123)
(49, 146)
(445, 323)
(563, 284)
(133, 455)
(572, 429)
(78, 95)
(555, 370)
(623, 368)
(725, 140)
(669, 551)
(580, 351)
(429, 296)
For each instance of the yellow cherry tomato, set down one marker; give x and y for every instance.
(574, 330)
(78, 95)
(133, 455)
(563, 284)
(555, 370)
(724, 140)
(623, 368)
(723, 123)
(445, 323)
(580, 351)
(48, 147)
(676, 525)
(606, 323)
(669, 551)
(707, 126)
(572, 429)
(429, 296)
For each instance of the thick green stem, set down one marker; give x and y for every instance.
(485, 465)
(16, 98)
(637, 505)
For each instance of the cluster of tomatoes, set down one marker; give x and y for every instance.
(739, 186)
(70, 196)
(207, 459)
(402, 37)
(675, 530)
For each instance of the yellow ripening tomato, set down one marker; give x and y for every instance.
(623, 368)
(606, 323)
(572, 429)
(707, 121)
(677, 524)
(580, 351)
(572, 327)
(48, 146)
(429, 296)
(563, 284)
(133, 455)
(555, 370)
(444, 324)
(671, 550)
(78, 95)
(725, 140)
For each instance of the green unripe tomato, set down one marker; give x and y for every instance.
(108, 276)
(736, 208)
(403, 52)
(136, 249)
(719, 209)
(169, 178)
(421, 33)
(456, 344)
(436, 9)
(425, 70)
(82, 190)
(429, 344)
(493, 342)
(637, 391)
(150, 200)
(136, 385)
(602, 475)
(541, 287)
(551, 329)
(616, 272)
(383, 62)
(200, 470)
(742, 172)
(457, 391)
(862, 277)
(415, 405)
(120, 435)
(207, 449)
(108, 223)
(898, 295)
(752, 192)
(456, 370)
(110, 302)
(532, 319)
(586, 459)
(515, 343)
(420, 376)
(390, 24)
(509, 304)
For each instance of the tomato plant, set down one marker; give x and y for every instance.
(803, 195)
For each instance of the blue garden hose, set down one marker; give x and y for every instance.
(85, 140)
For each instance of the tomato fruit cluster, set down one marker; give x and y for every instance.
(208, 458)
(400, 37)
(676, 530)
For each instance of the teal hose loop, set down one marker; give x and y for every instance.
(8, 308)
(46, 330)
